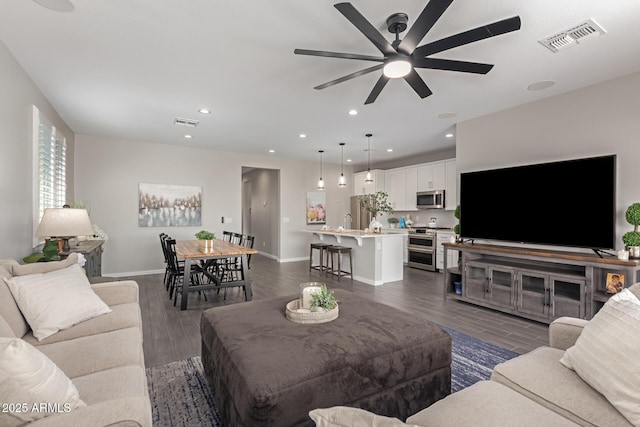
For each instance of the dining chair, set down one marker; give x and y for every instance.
(176, 272)
(236, 238)
(163, 238)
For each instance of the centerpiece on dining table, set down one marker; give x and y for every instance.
(206, 240)
(316, 304)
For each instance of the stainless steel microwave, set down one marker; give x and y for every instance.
(430, 199)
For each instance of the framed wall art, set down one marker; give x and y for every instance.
(316, 203)
(168, 205)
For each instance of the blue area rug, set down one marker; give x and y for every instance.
(473, 360)
(180, 394)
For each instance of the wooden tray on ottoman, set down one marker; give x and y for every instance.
(311, 317)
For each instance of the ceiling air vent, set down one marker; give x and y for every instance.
(185, 122)
(572, 36)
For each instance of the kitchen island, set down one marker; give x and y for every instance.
(377, 257)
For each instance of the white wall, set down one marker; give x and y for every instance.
(18, 94)
(598, 120)
(108, 172)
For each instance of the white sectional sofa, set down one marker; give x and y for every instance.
(102, 356)
(536, 389)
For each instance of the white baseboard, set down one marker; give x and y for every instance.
(304, 258)
(134, 273)
(268, 255)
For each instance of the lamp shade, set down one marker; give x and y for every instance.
(64, 222)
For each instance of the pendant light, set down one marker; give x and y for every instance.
(321, 181)
(342, 181)
(369, 178)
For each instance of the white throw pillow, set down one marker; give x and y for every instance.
(57, 300)
(344, 416)
(606, 354)
(31, 385)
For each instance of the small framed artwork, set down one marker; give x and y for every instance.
(316, 203)
(615, 283)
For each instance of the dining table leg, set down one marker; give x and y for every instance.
(186, 280)
(248, 293)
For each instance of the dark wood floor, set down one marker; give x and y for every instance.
(171, 334)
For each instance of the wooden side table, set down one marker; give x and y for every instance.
(92, 251)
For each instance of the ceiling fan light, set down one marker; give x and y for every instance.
(397, 68)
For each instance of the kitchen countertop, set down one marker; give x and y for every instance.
(358, 235)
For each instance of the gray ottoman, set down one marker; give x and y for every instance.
(265, 370)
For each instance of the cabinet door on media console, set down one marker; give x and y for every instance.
(550, 296)
(490, 284)
(533, 293)
(567, 297)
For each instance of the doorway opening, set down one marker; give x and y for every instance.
(261, 209)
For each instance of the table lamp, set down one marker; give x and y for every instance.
(64, 223)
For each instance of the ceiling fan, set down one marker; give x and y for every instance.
(402, 57)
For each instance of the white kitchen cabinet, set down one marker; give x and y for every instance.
(395, 183)
(401, 186)
(431, 176)
(360, 187)
(411, 188)
(451, 186)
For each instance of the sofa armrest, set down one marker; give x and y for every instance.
(564, 331)
(114, 293)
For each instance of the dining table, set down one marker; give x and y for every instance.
(194, 254)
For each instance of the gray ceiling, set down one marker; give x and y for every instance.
(126, 69)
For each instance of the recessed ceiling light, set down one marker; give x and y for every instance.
(204, 111)
(447, 115)
(272, 151)
(56, 5)
(302, 135)
(353, 112)
(187, 136)
(389, 150)
(541, 85)
(449, 135)
(349, 160)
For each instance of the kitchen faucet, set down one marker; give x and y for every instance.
(345, 220)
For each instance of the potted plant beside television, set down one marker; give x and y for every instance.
(631, 239)
(376, 203)
(206, 240)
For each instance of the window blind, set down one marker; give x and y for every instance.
(52, 167)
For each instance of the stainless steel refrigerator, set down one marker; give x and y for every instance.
(360, 218)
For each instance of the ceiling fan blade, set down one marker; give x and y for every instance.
(337, 55)
(416, 82)
(428, 17)
(380, 84)
(451, 65)
(365, 27)
(350, 76)
(466, 37)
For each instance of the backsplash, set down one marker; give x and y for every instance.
(421, 218)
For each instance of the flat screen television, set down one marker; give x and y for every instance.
(566, 203)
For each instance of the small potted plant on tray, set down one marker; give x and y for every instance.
(206, 239)
(323, 300)
(393, 221)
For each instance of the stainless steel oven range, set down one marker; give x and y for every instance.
(422, 248)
